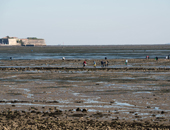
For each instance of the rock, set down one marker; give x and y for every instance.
(78, 109)
(84, 110)
(70, 110)
(162, 112)
(117, 112)
(80, 101)
(112, 101)
(148, 107)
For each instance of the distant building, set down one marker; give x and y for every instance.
(14, 41)
(33, 41)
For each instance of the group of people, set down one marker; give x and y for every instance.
(103, 64)
(106, 62)
(156, 58)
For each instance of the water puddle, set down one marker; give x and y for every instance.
(24, 90)
(157, 108)
(94, 101)
(75, 94)
(143, 92)
(101, 82)
(14, 76)
(62, 106)
(123, 78)
(64, 101)
(72, 81)
(75, 85)
(123, 104)
(108, 85)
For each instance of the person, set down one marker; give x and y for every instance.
(147, 57)
(156, 58)
(166, 57)
(10, 58)
(94, 64)
(84, 63)
(102, 63)
(126, 62)
(107, 63)
(63, 58)
(105, 58)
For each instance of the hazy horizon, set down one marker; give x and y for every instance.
(110, 22)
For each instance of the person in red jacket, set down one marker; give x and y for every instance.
(84, 63)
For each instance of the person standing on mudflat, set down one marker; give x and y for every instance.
(126, 62)
(84, 63)
(102, 63)
(94, 64)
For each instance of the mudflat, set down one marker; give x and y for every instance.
(61, 94)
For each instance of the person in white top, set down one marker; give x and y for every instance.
(126, 62)
(63, 58)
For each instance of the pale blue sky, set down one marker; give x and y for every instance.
(87, 22)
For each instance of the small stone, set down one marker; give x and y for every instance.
(112, 101)
(162, 112)
(78, 109)
(84, 110)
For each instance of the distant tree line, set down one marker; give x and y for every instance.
(34, 38)
(31, 38)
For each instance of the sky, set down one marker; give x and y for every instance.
(87, 22)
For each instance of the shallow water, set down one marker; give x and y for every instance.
(56, 52)
(69, 105)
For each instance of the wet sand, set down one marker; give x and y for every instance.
(56, 94)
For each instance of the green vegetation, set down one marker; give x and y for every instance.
(8, 37)
(31, 38)
(21, 42)
(34, 38)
